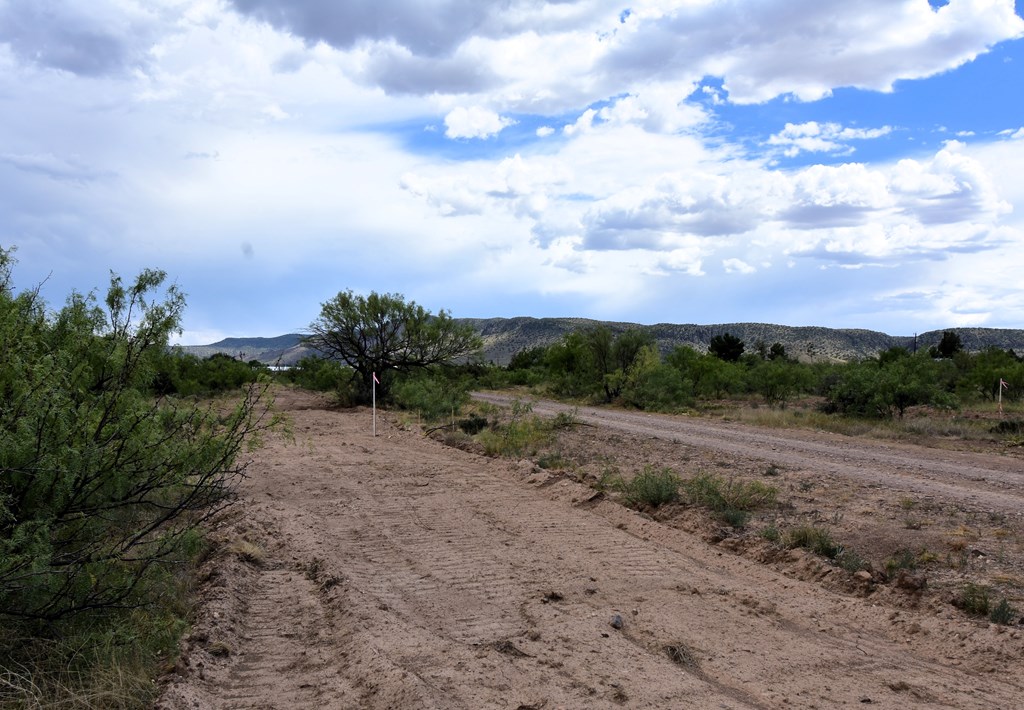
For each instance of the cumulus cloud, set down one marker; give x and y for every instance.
(814, 137)
(701, 205)
(474, 122)
(807, 47)
(428, 29)
(737, 266)
(101, 38)
(951, 187)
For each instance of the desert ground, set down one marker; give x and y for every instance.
(399, 571)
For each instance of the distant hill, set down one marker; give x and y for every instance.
(504, 337)
(282, 350)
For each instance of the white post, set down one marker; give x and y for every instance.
(375, 404)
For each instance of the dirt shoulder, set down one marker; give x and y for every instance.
(398, 572)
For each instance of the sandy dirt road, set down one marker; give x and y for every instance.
(981, 480)
(396, 572)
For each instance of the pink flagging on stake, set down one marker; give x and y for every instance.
(378, 381)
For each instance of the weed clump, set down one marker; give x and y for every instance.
(1002, 613)
(904, 559)
(731, 500)
(817, 540)
(652, 487)
(974, 599)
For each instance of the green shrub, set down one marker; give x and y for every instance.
(903, 559)
(319, 374)
(104, 485)
(729, 494)
(523, 435)
(817, 540)
(851, 561)
(974, 599)
(473, 424)
(430, 395)
(1002, 613)
(651, 487)
(552, 460)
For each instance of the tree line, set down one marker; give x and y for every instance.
(596, 365)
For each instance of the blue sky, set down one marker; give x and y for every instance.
(692, 161)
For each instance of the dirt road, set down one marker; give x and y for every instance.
(982, 480)
(396, 572)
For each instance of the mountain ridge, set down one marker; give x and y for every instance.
(504, 337)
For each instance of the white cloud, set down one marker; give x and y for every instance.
(737, 266)
(169, 132)
(814, 137)
(474, 122)
(583, 124)
(506, 51)
(275, 112)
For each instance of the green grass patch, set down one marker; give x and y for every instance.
(731, 500)
(817, 540)
(651, 487)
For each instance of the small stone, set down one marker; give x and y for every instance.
(617, 622)
(862, 576)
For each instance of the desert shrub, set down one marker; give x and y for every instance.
(778, 380)
(974, 599)
(430, 395)
(651, 487)
(319, 374)
(903, 559)
(104, 486)
(552, 460)
(180, 373)
(817, 540)
(523, 435)
(851, 561)
(566, 420)
(1002, 613)
(721, 494)
(1008, 426)
(888, 387)
(473, 424)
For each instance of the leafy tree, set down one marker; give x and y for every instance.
(777, 352)
(887, 388)
(986, 369)
(777, 380)
(101, 484)
(949, 346)
(527, 358)
(726, 347)
(384, 334)
(611, 357)
(653, 385)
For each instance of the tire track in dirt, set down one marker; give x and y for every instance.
(458, 581)
(283, 653)
(983, 481)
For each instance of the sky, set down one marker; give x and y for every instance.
(798, 162)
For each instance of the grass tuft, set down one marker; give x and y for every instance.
(652, 487)
(817, 540)
(731, 500)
